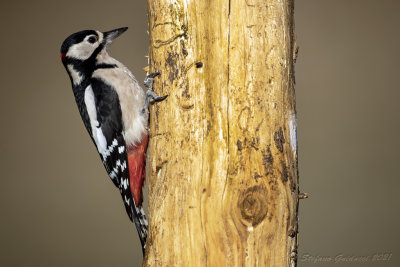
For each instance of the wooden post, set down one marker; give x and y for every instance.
(222, 158)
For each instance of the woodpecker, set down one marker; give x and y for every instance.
(114, 110)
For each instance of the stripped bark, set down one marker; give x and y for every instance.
(222, 157)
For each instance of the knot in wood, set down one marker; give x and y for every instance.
(253, 204)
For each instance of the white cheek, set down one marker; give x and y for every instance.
(81, 51)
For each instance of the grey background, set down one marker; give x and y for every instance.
(58, 208)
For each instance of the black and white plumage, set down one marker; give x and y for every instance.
(114, 110)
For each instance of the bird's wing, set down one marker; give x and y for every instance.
(112, 148)
(110, 141)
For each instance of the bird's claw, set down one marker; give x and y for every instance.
(154, 74)
(152, 97)
(148, 81)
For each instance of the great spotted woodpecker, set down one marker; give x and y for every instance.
(114, 109)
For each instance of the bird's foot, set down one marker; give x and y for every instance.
(152, 97)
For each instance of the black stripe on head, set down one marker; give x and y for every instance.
(75, 38)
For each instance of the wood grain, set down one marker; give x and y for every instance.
(222, 158)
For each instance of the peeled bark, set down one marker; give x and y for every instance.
(222, 158)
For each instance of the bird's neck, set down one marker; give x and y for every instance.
(76, 74)
(104, 60)
(80, 71)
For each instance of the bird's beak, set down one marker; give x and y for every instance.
(111, 35)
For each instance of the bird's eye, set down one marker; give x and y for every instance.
(92, 39)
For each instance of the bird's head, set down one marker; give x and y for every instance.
(80, 50)
(86, 44)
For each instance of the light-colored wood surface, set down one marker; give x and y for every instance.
(222, 158)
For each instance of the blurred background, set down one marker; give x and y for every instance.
(58, 208)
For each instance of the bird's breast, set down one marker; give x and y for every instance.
(132, 101)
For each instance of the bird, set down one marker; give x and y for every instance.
(115, 111)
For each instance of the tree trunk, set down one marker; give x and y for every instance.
(222, 158)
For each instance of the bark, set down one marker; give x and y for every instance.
(222, 158)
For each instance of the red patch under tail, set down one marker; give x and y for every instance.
(137, 167)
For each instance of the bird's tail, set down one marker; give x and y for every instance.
(139, 217)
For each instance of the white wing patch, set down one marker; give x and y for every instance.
(101, 141)
(91, 109)
(97, 133)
